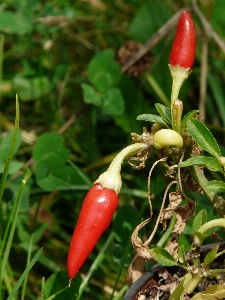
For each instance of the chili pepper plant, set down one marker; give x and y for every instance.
(178, 142)
(175, 153)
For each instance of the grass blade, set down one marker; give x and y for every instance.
(22, 277)
(12, 230)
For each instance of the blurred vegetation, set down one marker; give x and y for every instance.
(77, 110)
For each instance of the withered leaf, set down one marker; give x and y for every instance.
(174, 200)
(183, 214)
(141, 249)
(136, 269)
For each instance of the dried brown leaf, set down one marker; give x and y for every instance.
(137, 243)
(174, 200)
(136, 269)
(173, 247)
(183, 214)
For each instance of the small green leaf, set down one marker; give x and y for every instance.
(179, 292)
(152, 118)
(199, 220)
(163, 257)
(165, 112)
(181, 254)
(112, 102)
(203, 137)
(210, 256)
(210, 163)
(103, 70)
(215, 186)
(91, 96)
(186, 118)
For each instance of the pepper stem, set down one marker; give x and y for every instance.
(179, 75)
(111, 179)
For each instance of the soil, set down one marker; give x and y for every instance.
(158, 287)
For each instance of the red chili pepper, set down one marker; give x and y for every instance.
(184, 45)
(97, 211)
(95, 216)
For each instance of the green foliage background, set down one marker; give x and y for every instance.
(77, 111)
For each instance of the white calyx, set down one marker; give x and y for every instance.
(111, 178)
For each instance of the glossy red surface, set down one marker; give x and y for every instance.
(96, 214)
(184, 45)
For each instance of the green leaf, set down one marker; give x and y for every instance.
(91, 96)
(199, 220)
(14, 23)
(112, 102)
(203, 137)
(30, 89)
(179, 292)
(64, 178)
(181, 254)
(52, 173)
(163, 257)
(50, 149)
(152, 118)
(103, 70)
(215, 186)
(210, 163)
(165, 112)
(210, 256)
(186, 118)
(58, 283)
(214, 292)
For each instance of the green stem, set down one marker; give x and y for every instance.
(111, 179)
(199, 237)
(179, 75)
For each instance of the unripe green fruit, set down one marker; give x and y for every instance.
(167, 137)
